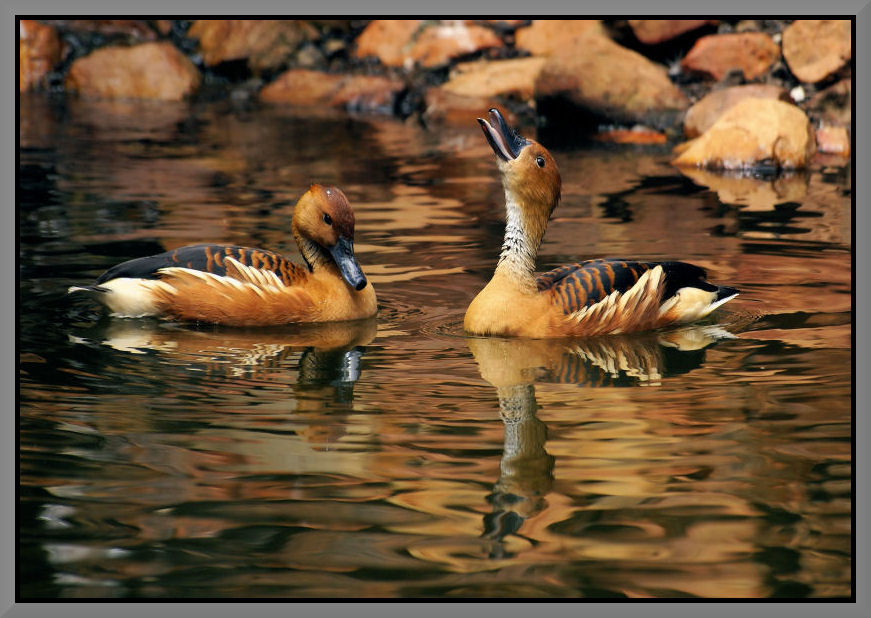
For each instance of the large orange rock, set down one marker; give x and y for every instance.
(752, 132)
(444, 107)
(475, 87)
(653, 31)
(264, 43)
(487, 78)
(146, 71)
(359, 92)
(718, 54)
(545, 37)
(439, 44)
(816, 48)
(387, 40)
(39, 50)
(397, 42)
(610, 80)
(702, 115)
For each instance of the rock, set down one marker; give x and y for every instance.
(475, 87)
(445, 107)
(413, 41)
(39, 50)
(753, 132)
(489, 78)
(145, 71)
(438, 45)
(816, 48)
(551, 36)
(639, 134)
(703, 114)
(610, 80)
(386, 40)
(653, 31)
(264, 43)
(718, 54)
(833, 140)
(358, 92)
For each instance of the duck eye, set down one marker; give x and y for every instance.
(539, 160)
(328, 219)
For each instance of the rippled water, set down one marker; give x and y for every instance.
(397, 457)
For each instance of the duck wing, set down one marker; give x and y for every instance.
(221, 284)
(615, 295)
(209, 258)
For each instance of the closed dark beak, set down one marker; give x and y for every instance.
(343, 254)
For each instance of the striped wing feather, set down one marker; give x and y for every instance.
(209, 259)
(576, 286)
(615, 296)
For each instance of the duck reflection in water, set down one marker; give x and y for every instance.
(512, 366)
(328, 367)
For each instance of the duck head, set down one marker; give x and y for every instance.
(530, 175)
(323, 224)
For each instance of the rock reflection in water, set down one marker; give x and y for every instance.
(512, 366)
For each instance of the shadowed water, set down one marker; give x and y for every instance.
(396, 457)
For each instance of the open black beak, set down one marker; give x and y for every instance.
(343, 254)
(503, 140)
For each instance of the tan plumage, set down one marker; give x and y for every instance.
(589, 298)
(239, 286)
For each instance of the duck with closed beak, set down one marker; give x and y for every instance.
(240, 286)
(594, 297)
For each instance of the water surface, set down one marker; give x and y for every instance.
(396, 457)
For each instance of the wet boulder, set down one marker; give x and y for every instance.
(474, 87)
(437, 45)
(39, 50)
(545, 37)
(264, 43)
(753, 133)
(655, 31)
(305, 87)
(386, 40)
(717, 55)
(444, 107)
(702, 115)
(146, 71)
(405, 43)
(816, 48)
(605, 79)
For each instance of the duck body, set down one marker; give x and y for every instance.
(594, 297)
(242, 286)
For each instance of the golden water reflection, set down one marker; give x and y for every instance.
(400, 458)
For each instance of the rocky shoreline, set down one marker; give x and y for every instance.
(745, 94)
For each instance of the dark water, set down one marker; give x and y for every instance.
(396, 457)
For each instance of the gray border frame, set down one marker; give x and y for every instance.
(8, 421)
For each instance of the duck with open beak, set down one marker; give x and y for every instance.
(593, 297)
